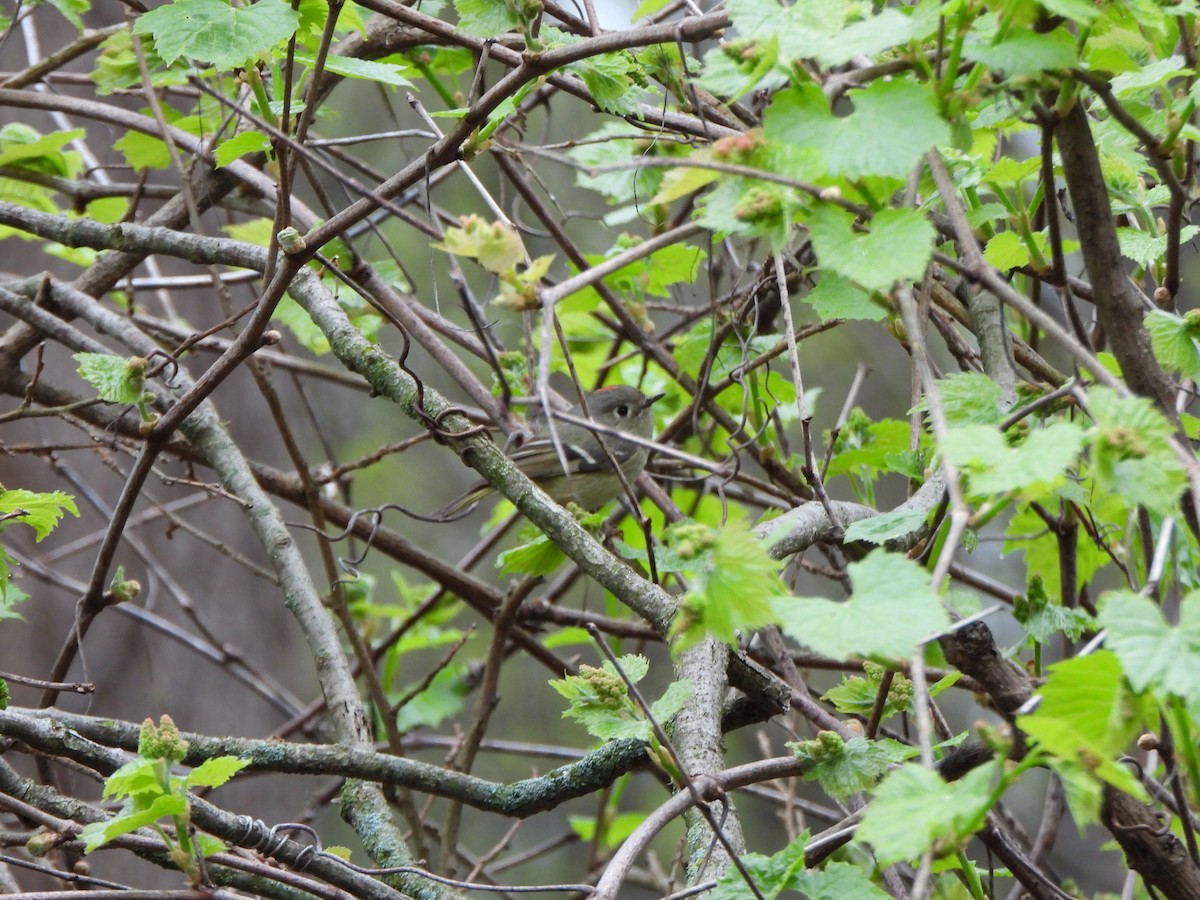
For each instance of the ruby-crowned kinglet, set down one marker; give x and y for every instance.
(589, 478)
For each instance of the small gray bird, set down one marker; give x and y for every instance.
(589, 478)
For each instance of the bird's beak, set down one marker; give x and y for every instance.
(651, 400)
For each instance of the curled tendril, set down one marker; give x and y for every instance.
(1161, 831)
(169, 363)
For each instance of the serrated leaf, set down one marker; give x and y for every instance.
(887, 588)
(676, 696)
(1144, 247)
(610, 77)
(969, 398)
(1131, 451)
(732, 590)
(1154, 654)
(1006, 251)
(239, 145)
(72, 10)
(486, 18)
(852, 767)
(1148, 76)
(614, 143)
(835, 297)
(97, 834)
(42, 512)
(216, 771)
(892, 126)
(442, 698)
(886, 526)
(994, 467)
(1088, 717)
(888, 28)
(215, 32)
(112, 377)
(914, 807)
(771, 874)
(1025, 52)
(1174, 340)
(391, 73)
(1043, 618)
(539, 556)
(496, 246)
(25, 148)
(897, 248)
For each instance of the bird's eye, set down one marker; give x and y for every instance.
(622, 410)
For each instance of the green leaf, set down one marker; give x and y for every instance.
(1025, 52)
(72, 10)
(391, 73)
(751, 208)
(838, 881)
(117, 65)
(612, 79)
(1027, 533)
(887, 588)
(41, 512)
(889, 28)
(599, 700)
(215, 32)
(969, 398)
(834, 297)
(1144, 248)
(849, 767)
(537, 556)
(25, 148)
(239, 145)
(733, 585)
(1006, 251)
(738, 67)
(653, 275)
(1148, 77)
(615, 143)
(856, 694)
(870, 448)
(1082, 11)
(10, 594)
(994, 467)
(1043, 618)
(116, 380)
(771, 874)
(1088, 717)
(486, 18)
(884, 527)
(146, 151)
(892, 126)
(673, 700)
(1174, 339)
(913, 808)
(137, 778)
(648, 8)
(685, 180)
(216, 771)
(97, 834)
(496, 246)
(897, 248)
(442, 698)
(1131, 451)
(209, 845)
(1152, 653)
